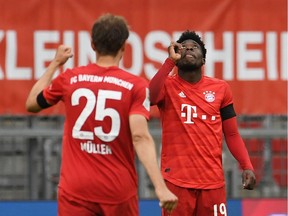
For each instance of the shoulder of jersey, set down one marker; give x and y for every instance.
(214, 79)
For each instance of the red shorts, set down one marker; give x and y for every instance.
(68, 206)
(195, 202)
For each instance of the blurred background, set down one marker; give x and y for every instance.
(246, 45)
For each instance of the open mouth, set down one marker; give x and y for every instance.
(190, 56)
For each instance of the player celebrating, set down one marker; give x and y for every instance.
(106, 119)
(195, 110)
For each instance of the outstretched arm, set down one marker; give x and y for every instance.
(145, 149)
(239, 151)
(62, 55)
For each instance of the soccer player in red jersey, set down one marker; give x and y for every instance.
(106, 122)
(195, 111)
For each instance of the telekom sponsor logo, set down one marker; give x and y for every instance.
(189, 113)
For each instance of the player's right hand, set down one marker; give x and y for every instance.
(174, 51)
(168, 201)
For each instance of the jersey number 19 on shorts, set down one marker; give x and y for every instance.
(222, 209)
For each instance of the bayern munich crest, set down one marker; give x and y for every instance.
(209, 96)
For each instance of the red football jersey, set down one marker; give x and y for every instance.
(98, 158)
(192, 131)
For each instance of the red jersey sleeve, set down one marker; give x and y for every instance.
(156, 84)
(228, 98)
(55, 91)
(236, 144)
(141, 102)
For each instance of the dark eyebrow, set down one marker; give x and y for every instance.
(194, 42)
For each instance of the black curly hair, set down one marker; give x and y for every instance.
(192, 35)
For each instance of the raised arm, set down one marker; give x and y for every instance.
(157, 82)
(61, 56)
(145, 149)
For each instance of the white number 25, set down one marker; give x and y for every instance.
(97, 103)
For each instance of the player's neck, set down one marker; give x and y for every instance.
(107, 61)
(192, 76)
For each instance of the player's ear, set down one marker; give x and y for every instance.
(123, 47)
(203, 61)
(92, 45)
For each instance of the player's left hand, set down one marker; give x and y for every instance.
(248, 179)
(62, 55)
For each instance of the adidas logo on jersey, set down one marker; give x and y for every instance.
(182, 95)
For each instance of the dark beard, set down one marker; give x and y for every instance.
(187, 66)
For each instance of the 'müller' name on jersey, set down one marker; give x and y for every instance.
(93, 148)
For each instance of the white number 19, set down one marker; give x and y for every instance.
(222, 209)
